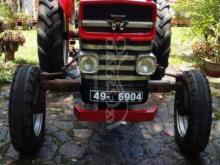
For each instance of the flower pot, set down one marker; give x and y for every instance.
(10, 49)
(9, 55)
(212, 69)
(181, 22)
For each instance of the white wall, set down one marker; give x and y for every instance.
(28, 7)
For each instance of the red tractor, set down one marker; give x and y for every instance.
(123, 53)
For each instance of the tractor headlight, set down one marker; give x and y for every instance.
(146, 64)
(88, 63)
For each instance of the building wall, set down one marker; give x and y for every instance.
(36, 9)
(30, 7)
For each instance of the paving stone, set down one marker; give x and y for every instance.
(72, 150)
(8, 138)
(63, 125)
(216, 100)
(215, 132)
(51, 129)
(62, 136)
(1, 123)
(82, 135)
(169, 129)
(12, 153)
(49, 163)
(3, 136)
(216, 107)
(153, 128)
(146, 134)
(48, 139)
(3, 133)
(57, 159)
(47, 151)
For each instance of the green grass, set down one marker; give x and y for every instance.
(181, 48)
(27, 54)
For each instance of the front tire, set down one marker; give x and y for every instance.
(193, 113)
(27, 111)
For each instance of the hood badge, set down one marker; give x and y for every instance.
(118, 23)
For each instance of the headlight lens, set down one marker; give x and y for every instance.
(88, 63)
(146, 64)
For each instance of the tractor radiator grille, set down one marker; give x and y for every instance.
(116, 48)
(117, 62)
(103, 12)
(104, 18)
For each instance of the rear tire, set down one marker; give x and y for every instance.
(52, 45)
(162, 42)
(193, 113)
(27, 111)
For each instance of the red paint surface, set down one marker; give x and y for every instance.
(115, 36)
(115, 115)
(68, 7)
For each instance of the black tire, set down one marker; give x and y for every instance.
(52, 45)
(193, 113)
(27, 101)
(162, 42)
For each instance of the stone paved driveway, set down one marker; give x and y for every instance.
(70, 142)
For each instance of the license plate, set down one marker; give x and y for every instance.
(116, 96)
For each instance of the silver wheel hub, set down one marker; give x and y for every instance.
(182, 123)
(37, 123)
(37, 117)
(65, 52)
(65, 42)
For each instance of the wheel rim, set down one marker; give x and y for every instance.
(37, 123)
(37, 117)
(182, 123)
(65, 56)
(65, 51)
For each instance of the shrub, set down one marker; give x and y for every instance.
(10, 42)
(7, 18)
(209, 48)
(202, 13)
(2, 25)
(205, 14)
(24, 20)
(14, 37)
(6, 71)
(181, 10)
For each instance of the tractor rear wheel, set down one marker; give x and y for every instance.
(162, 42)
(53, 48)
(193, 113)
(27, 111)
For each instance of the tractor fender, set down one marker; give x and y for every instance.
(68, 7)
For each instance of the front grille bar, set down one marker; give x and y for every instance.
(105, 24)
(112, 47)
(117, 58)
(115, 78)
(117, 67)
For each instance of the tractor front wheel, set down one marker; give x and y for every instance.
(193, 113)
(27, 111)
